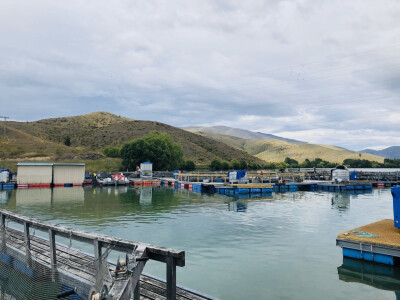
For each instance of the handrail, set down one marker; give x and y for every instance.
(169, 256)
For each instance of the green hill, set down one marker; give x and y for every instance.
(90, 133)
(273, 150)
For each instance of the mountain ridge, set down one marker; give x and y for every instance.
(392, 152)
(274, 150)
(238, 132)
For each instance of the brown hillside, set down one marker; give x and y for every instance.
(90, 133)
(273, 150)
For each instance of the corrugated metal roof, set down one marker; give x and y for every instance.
(69, 164)
(34, 163)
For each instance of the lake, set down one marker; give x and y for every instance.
(280, 246)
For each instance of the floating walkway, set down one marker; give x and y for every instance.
(265, 188)
(339, 187)
(377, 242)
(93, 273)
(244, 189)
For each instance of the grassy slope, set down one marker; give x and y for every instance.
(277, 151)
(92, 132)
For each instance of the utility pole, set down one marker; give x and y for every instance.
(5, 126)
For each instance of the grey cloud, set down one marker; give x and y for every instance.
(285, 66)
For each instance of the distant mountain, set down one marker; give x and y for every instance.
(391, 152)
(90, 133)
(274, 150)
(240, 133)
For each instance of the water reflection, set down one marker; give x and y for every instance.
(379, 276)
(341, 201)
(237, 206)
(49, 196)
(5, 197)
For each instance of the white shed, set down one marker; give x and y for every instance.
(34, 173)
(340, 174)
(146, 170)
(68, 173)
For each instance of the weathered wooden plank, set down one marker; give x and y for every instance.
(161, 291)
(52, 248)
(26, 239)
(44, 257)
(65, 255)
(146, 281)
(63, 252)
(151, 295)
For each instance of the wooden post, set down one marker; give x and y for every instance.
(53, 253)
(3, 229)
(171, 278)
(136, 292)
(27, 240)
(97, 253)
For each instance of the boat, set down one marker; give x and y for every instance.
(119, 179)
(105, 181)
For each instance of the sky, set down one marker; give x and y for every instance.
(325, 72)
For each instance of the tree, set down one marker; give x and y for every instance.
(243, 164)
(235, 164)
(215, 165)
(189, 165)
(67, 141)
(225, 166)
(291, 162)
(156, 147)
(253, 166)
(110, 151)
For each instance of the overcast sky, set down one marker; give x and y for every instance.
(324, 72)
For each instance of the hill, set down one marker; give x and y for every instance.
(90, 133)
(272, 150)
(390, 152)
(237, 132)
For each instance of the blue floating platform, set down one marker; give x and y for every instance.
(368, 256)
(8, 186)
(376, 242)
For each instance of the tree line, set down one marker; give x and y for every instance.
(165, 154)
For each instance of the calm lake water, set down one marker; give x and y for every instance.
(276, 247)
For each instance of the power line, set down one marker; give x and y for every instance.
(5, 125)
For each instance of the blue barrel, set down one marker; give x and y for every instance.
(396, 205)
(353, 175)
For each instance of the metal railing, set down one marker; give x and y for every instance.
(171, 257)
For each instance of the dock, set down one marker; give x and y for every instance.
(89, 274)
(376, 242)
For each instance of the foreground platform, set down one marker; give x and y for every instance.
(378, 242)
